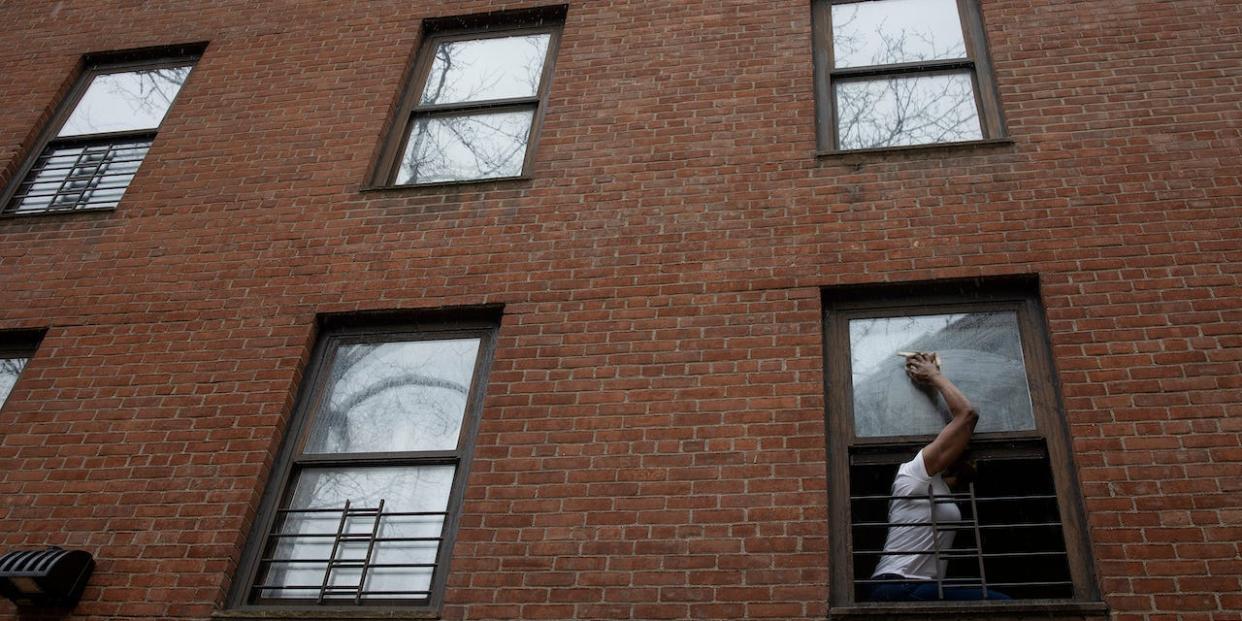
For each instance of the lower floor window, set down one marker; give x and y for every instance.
(912, 370)
(1007, 538)
(368, 488)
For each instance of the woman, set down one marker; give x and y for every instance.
(914, 569)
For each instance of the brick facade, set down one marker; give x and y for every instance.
(652, 442)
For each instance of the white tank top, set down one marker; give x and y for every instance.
(920, 539)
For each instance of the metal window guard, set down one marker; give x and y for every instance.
(326, 591)
(971, 552)
(78, 172)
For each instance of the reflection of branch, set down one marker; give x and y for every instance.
(12, 366)
(400, 381)
(909, 109)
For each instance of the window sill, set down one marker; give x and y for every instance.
(334, 613)
(444, 184)
(917, 148)
(972, 611)
(57, 213)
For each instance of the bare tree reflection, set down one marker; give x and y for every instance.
(153, 90)
(394, 396)
(125, 101)
(453, 146)
(10, 368)
(906, 109)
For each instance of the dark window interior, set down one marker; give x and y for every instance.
(1023, 551)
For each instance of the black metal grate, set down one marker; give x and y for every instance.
(1009, 543)
(326, 591)
(72, 177)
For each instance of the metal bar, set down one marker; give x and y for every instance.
(362, 579)
(389, 514)
(981, 499)
(954, 555)
(341, 563)
(327, 573)
(974, 514)
(935, 542)
(331, 588)
(349, 537)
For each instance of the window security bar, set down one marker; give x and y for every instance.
(969, 503)
(80, 177)
(334, 561)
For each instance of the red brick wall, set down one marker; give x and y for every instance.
(652, 441)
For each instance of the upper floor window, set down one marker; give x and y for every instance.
(897, 73)
(368, 488)
(1001, 521)
(475, 104)
(95, 144)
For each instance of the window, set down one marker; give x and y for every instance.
(95, 144)
(16, 349)
(896, 73)
(12, 362)
(1021, 528)
(479, 91)
(363, 503)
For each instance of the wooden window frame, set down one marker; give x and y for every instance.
(91, 67)
(978, 62)
(283, 477)
(542, 20)
(843, 304)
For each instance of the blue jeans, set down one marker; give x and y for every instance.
(925, 591)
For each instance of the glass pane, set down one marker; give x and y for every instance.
(454, 148)
(895, 31)
(906, 110)
(80, 177)
(406, 396)
(482, 69)
(979, 352)
(403, 489)
(10, 368)
(125, 101)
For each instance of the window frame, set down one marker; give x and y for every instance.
(291, 459)
(548, 20)
(89, 68)
(845, 449)
(977, 62)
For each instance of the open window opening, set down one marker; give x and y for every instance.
(1011, 528)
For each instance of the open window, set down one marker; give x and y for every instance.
(1021, 526)
(363, 503)
(90, 152)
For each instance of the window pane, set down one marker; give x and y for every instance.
(125, 101)
(80, 177)
(403, 489)
(895, 31)
(407, 396)
(906, 110)
(10, 368)
(482, 69)
(454, 148)
(980, 352)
